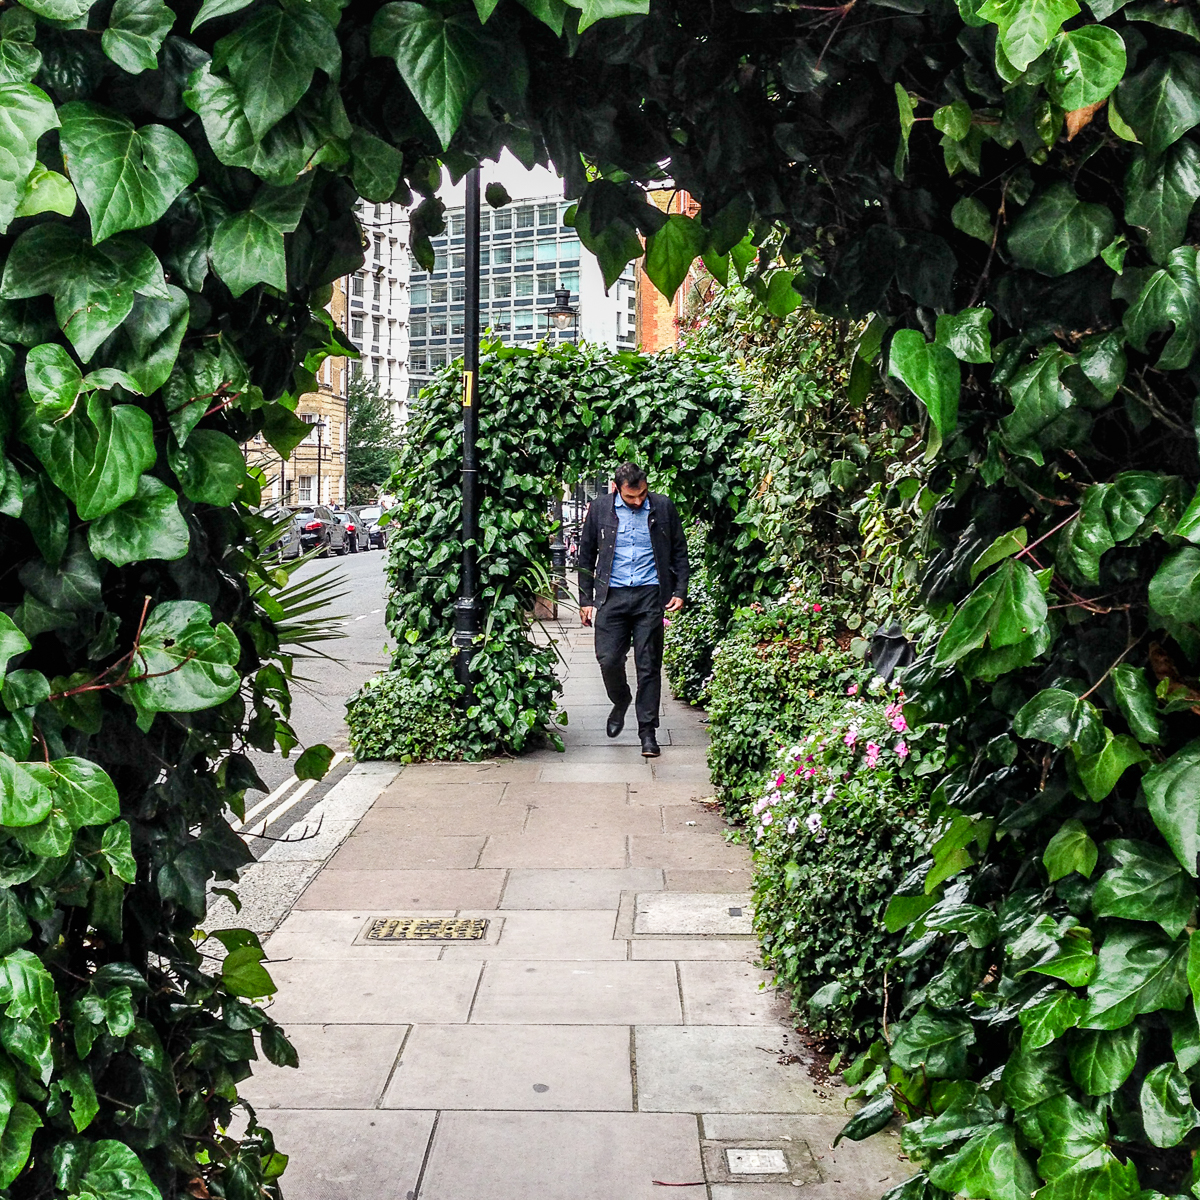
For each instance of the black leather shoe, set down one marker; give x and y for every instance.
(650, 745)
(616, 721)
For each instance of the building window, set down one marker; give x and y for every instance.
(304, 489)
(458, 225)
(355, 368)
(437, 327)
(485, 222)
(525, 285)
(375, 369)
(417, 327)
(356, 285)
(568, 248)
(375, 326)
(458, 293)
(485, 257)
(502, 220)
(503, 256)
(458, 326)
(420, 294)
(502, 321)
(570, 280)
(501, 288)
(439, 261)
(524, 321)
(458, 260)
(484, 289)
(356, 329)
(547, 252)
(525, 217)
(547, 214)
(376, 290)
(525, 252)
(437, 294)
(546, 285)
(418, 362)
(437, 360)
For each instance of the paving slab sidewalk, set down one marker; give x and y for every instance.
(608, 1035)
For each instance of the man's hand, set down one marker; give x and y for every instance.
(674, 604)
(586, 615)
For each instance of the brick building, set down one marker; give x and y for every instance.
(657, 317)
(316, 471)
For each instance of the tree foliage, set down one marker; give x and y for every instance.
(370, 439)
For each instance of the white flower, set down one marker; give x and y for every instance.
(793, 825)
(813, 821)
(829, 794)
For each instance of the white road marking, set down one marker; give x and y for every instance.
(266, 803)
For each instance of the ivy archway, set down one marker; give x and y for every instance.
(548, 417)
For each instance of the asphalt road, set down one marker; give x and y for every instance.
(323, 684)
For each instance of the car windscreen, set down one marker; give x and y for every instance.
(370, 514)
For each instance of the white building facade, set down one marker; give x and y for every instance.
(526, 254)
(378, 303)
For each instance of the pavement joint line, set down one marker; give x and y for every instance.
(387, 1083)
(416, 1192)
(483, 966)
(633, 1076)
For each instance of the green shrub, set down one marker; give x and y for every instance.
(841, 822)
(776, 660)
(693, 633)
(393, 716)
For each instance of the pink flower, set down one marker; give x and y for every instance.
(899, 724)
(780, 779)
(851, 737)
(810, 772)
(901, 751)
(816, 608)
(872, 754)
(893, 710)
(767, 818)
(797, 771)
(666, 622)
(852, 690)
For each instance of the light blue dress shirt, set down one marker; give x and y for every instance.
(633, 555)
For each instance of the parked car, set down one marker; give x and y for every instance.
(315, 527)
(368, 517)
(355, 538)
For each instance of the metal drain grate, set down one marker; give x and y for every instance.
(418, 929)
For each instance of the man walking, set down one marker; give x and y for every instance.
(633, 565)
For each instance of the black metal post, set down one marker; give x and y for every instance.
(558, 549)
(467, 609)
(319, 432)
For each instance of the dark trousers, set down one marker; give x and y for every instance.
(632, 615)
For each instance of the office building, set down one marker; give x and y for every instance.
(526, 254)
(379, 302)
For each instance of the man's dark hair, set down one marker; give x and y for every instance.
(629, 475)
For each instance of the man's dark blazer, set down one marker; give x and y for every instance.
(599, 540)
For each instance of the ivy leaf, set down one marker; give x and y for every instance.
(243, 974)
(314, 762)
(81, 791)
(211, 468)
(1138, 971)
(96, 458)
(1160, 193)
(1088, 63)
(376, 166)
(114, 1172)
(1070, 959)
(966, 334)
(148, 526)
(1075, 1138)
(218, 8)
(283, 430)
(608, 220)
(1003, 610)
(1175, 587)
(1048, 1019)
(1147, 884)
(1168, 1114)
(1039, 398)
(442, 55)
(907, 106)
(183, 662)
(53, 379)
(1164, 15)
(1061, 718)
(1136, 703)
(1169, 297)
(1057, 232)
(117, 848)
(1027, 27)
(16, 1143)
(1070, 849)
(1162, 102)
(600, 10)
(1005, 546)
(135, 34)
(938, 1042)
(155, 332)
(26, 112)
(12, 642)
(990, 1164)
(1102, 1059)
(271, 59)
(248, 247)
(1101, 771)
(46, 191)
(20, 59)
(1173, 791)
(23, 800)
(931, 372)
(126, 177)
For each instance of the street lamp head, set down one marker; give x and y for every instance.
(562, 315)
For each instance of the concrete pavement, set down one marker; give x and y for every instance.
(607, 1035)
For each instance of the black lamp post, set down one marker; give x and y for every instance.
(467, 612)
(561, 317)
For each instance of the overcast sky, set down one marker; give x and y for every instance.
(518, 182)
